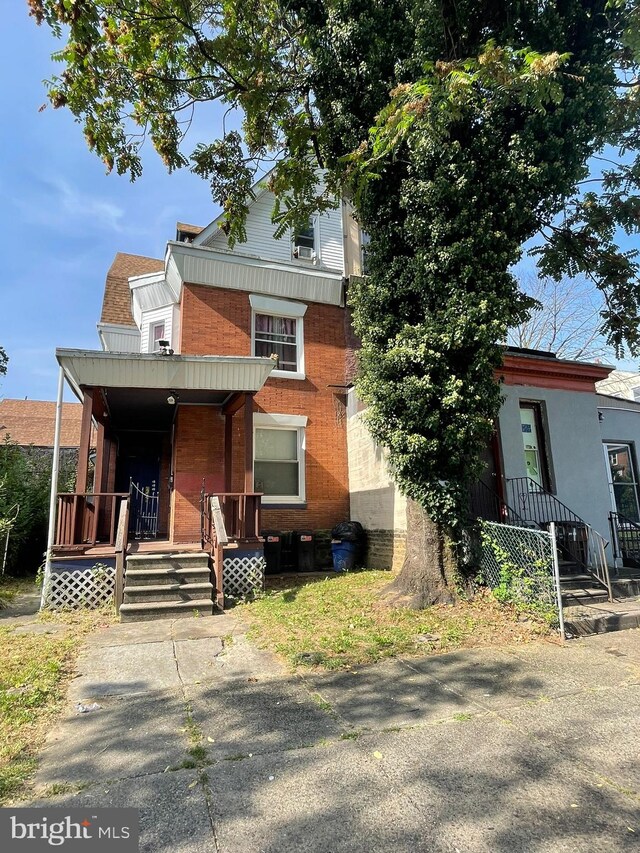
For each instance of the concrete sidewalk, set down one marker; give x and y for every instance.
(526, 749)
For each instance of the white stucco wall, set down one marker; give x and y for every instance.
(375, 501)
(574, 443)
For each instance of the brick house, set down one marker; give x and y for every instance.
(31, 423)
(222, 373)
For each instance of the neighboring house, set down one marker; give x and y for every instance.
(221, 372)
(621, 383)
(31, 423)
(561, 452)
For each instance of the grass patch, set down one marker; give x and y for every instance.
(34, 669)
(198, 753)
(338, 622)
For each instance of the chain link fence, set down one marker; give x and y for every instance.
(518, 564)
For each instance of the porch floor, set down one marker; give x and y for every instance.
(151, 546)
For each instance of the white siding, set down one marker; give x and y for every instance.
(222, 373)
(157, 315)
(119, 338)
(260, 239)
(262, 243)
(176, 329)
(203, 265)
(331, 249)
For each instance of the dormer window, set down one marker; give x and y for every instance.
(156, 334)
(304, 242)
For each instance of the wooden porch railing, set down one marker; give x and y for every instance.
(226, 520)
(86, 519)
(241, 514)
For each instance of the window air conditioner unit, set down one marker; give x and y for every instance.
(304, 252)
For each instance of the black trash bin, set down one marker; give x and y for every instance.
(272, 551)
(304, 546)
(288, 561)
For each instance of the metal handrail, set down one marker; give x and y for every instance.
(620, 523)
(588, 550)
(481, 495)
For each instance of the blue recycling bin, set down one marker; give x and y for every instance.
(344, 555)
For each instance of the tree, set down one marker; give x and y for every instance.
(566, 321)
(4, 360)
(461, 130)
(25, 485)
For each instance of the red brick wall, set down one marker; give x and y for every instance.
(216, 321)
(198, 452)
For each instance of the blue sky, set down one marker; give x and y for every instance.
(63, 219)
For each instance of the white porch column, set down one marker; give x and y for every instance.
(55, 468)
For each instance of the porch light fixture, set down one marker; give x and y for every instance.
(172, 399)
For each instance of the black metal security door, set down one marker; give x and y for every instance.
(144, 510)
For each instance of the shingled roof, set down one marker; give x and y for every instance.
(116, 305)
(32, 422)
(190, 230)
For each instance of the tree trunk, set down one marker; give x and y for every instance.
(429, 572)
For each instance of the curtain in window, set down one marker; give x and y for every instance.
(276, 335)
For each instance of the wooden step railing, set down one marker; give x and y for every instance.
(226, 520)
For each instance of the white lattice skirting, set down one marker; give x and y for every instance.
(243, 575)
(80, 589)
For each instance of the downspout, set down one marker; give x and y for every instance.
(54, 490)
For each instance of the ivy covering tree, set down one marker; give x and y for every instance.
(460, 130)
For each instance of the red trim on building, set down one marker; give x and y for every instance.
(552, 373)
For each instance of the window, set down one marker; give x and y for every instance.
(277, 328)
(278, 468)
(623, 481)
(156, 334)
(304, 242)
(534, 445)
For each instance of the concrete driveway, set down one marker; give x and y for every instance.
(527, 749)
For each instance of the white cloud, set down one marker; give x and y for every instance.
(65, 208)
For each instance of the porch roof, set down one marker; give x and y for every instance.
(92, 368)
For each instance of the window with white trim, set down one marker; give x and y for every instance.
(304, 242)
(277, 329)
(156, 334)
(278, 466)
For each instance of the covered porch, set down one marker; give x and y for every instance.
(169, 429)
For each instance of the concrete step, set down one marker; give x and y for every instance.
(155, 577)
(168, 592)
(576, 581)
(602, 624)
(629, 573)
(590, 595)
(146, 611)
(625, 587)
(169, 560)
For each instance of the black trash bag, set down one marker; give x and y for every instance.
(348, 531)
